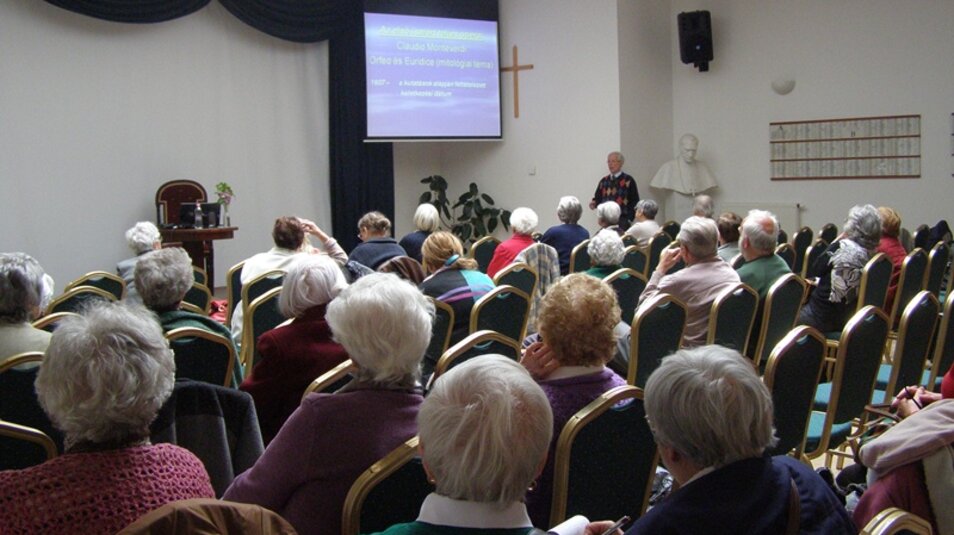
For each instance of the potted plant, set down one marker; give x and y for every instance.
(472, 217)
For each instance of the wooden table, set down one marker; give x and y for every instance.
(198, 243)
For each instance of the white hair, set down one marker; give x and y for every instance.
(606, 249)
(708, 404)
(524, 221)
(24, 287)
(618, 154)
(754, 228)
(384, 323)
(106, 373)
(607, 213)
(426, 218)
(163, 277)
(703, 206)
(569, 209)
(863, 226)
(700, 235)
(648, 207)
(142, 237)
(485, 428)
(314, 280)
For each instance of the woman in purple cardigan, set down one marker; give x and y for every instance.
(577, 320)
(384, 323)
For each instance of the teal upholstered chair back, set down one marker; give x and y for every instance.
(671, 228)
(233, 289)
(786, 252)
(875, 279)
(202, 355)
(580, 257)
(518, 275)
(809, 270)
(792, 374)
(783, 301)
(636, 260)
(656, 245)
(911, 281)
(605, 459)
(103, 280)
(483, 251)
(801, 241)
(828, 232)
(915, 334)
(859, 354)
(504, 309)
(731, 318)
(261, 315)
(628, 285)
(441, 329)
(937, 267)
(656, 333)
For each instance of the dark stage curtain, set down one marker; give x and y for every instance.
(302, 21)
(138, 11)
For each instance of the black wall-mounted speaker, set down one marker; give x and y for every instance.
(695, 38)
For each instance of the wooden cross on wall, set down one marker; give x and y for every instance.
(515, 69)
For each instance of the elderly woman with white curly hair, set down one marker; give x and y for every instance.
(606, 252)
(833, 299)
(142, 238)
(711, 416)
(524, 222)
(163, 278)
(484, 430)
(295, 354)
(25, 291)
(384, 324)
(103, 379)
(607, 217)
(568, 234)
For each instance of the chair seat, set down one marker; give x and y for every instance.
(816, 424)
(884, 376)
(879, 396)
(822, 396)
(926, 376)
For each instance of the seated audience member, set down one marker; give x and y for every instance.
(607, 217)
(524, 223)
(141, 238)
(25, 291)
(840, 267)
(606, 252)
(384, 324)
(703, 206)
(163, 278)
(728, 225)
(699, 283)
(645, 226)
(484, 430)
(891, 246)
(577, 319)
(289, 234)
(295, 354)
(426, 221)
(762, 267)
(377, 246)
(568, 234)
(910, 465)
(453, 279)
(103, 379)
(711, 417)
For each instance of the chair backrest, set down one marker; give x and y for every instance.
(875, 279)
(256, 287)
(628, 285)
(937, 267)
(580, 257)
(390, 492)
(74, 299)
(671, 228)
(504, 309)
(920, 237)
(200, 296)
(103, 280)
(732, 316)
(474, 345)
(783, 301)
(910, 282)
(791, 375)
(48, 322)
(808, 269)
(18, 398)
(405, 267)
(893, 521)
(202, 355)
(518, 275)
(22, 446)
(214, 516)
(233, 282)
(915, 334)
(636, 259)
(656, 333)
(441, 329)
(200, 275)
(483, 251)
(786, 252)
(605, 459)
(828, 232)
(801, 241)
(628, 240)
(174, 193)
(656, 245)
(261, 315)
(782, 236)
(331, 380)
(943, 357)
(856, 364)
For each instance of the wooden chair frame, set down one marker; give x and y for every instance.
(247, 351)
(379, 471)
(29, 434)
(77, 290)
(21, 358)
(781, 349)
(233, 294)
(82, 281)
(479, 245)
(494, 294)
(206, 293)
(767, 309)
(50, 319)
(275, 273)
(729, 293)
(897, 308)
(473, 339)
(162, 205)
(893, 520)
(656, 302)
(514, 268)
(193, 332)
(579, 249)
(939, 255)
(330, 377)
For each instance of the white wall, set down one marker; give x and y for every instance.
(96, 115)
(850, 58)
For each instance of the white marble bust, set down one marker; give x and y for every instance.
(685, 174)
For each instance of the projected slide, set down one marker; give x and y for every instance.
(431, 77)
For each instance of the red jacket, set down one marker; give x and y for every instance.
(893, 249)
(507, 251)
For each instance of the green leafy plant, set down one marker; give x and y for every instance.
(472, 217)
